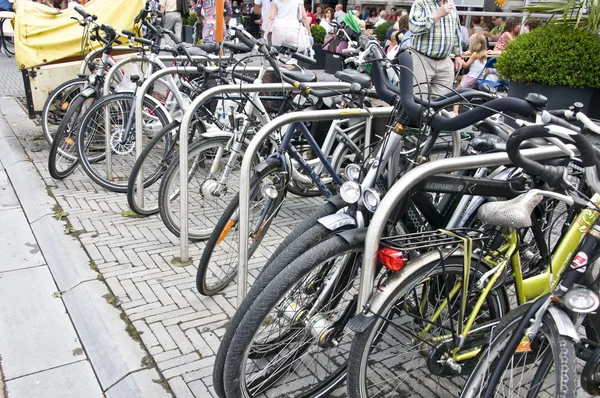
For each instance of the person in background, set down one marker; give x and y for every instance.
(284, 24)
(435, 35)
(357, 12)
(319, 13)
(530, 24)
(372, 16)
(262, 8)
(310, 15)
(464, 33)
(475, 64)
(339, 13)
(236, 13)
(209, 10)
(327, 18)
(174, 10)
(388, 33)
(476, 25)
(392, 16)
(5, 5)
(383, 18)
(496, 31)
(510, 32)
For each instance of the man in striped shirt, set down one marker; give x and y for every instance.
(436, 34)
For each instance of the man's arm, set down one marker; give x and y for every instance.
(420, 19)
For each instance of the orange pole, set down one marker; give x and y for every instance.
(220, 21)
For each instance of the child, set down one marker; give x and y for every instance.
(476, 64)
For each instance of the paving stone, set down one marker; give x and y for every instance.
(35, 201)
(8, 198)
(163, 336)
(68, 381)
(189, 367)
(180, 389)
(68, 271)
(180, 339)
(19, 247)
(178, 361)
(34, 324)
(112, 351)
(199, 389)
(140, 384)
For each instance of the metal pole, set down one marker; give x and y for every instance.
(246, 168)
(406, 183)
(183, 145)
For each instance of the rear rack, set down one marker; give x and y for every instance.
(431, 239)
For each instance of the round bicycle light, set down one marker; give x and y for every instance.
(270, 191)
(371, 199)
(353, 172)
(581, 300)
(350, 192)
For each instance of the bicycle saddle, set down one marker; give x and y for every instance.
(488, 142)
(300, 75)
(196, 51)
(209, 47)
(513, 213)
(353, 76)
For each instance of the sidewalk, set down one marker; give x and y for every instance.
(59, 337)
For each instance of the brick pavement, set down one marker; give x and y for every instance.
(178, 327)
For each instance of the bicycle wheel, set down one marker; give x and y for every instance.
(63, 158)
(57, 103)
(154, 167)
(302, 238)
(543, 366)
(293, 340)
(219, 262)
(105, 126)
(403, 353)
(207, 161)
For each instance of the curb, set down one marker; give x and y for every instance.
(117, 360)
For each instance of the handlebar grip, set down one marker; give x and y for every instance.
(143, 41)
(173, 36)
(141, 16)
(250, 42)
(128, 33)
(304, 58)
(514, 142)
(82, 12)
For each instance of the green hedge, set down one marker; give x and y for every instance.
(554, 55)
(381, 30)
(318, 33)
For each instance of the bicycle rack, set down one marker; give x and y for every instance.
(406, 183)
(263, 133)
(185, 125)
(188, 70)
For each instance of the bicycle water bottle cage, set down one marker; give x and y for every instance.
(514, 213)
(538, 101)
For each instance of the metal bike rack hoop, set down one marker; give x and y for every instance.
(183, 144)
(407, 182)
(263, 133)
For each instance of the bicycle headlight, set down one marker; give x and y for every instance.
(270, 191)
(353, 172)
(581, 300)
(371, 199)
(350, 192)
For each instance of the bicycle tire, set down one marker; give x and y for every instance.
(56, 105)
(92, 138)
(391, 338)
(63, 157)
(303, 237)
(222, 242)
(205, 208)
(307, 268)
(561, 355)
(156, 171)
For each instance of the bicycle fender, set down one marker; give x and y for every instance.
(337, 201)
(336, 221)
(363, 320)
(563, 323)
(88, 92)
(354, 236)
(216, 133)
(271, 161)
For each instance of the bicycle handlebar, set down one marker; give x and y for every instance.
(82, 12)
(461, 121)
(553, 175)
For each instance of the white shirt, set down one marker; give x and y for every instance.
(339, 16)
(265, 9)
(288, 13)
(327, 26)
(476, 69)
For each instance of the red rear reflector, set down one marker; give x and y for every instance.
(393, 260)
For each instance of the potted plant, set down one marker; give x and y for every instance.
(559, 61)
(318, 34)
(187, 30)
(381, 30)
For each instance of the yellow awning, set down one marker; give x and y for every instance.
(43, 34)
